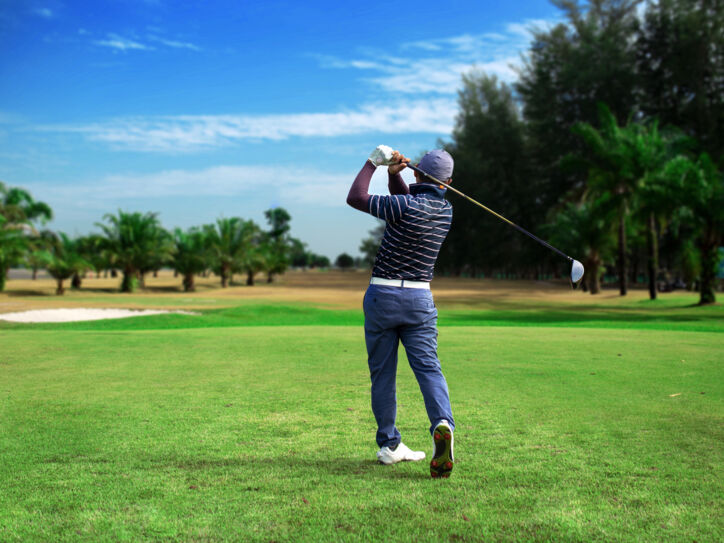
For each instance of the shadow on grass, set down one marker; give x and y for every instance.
(297, 464)
(33, 293)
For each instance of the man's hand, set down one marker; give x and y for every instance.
(399, 163)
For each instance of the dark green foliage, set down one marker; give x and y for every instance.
(64, 260)
(680, 60)
(344, 261)
(138, 244)
(492, 166)
(18, 213)
(191, 255)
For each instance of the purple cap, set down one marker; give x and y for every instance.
(437, 163)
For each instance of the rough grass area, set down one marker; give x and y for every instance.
(251, 422)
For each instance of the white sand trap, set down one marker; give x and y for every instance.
(81, 314)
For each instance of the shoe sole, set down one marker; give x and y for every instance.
(442, 461)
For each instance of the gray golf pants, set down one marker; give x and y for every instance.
(394, 314)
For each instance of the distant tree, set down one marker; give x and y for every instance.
(65, 261)
(629, 166)
(344, 261)
(37, 253)
(586, 229)
(570, 68)
(298, 254)
(492, 166)
(679, 62)
(318, 261)
(19, 207)
(228, 240)
(609, 175)
(704, 193)
(135, 240)
(371, 244)
(18, 213)
(13, 244)
(277, 242)
(190, 255)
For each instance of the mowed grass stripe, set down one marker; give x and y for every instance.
(251, 313)
(265, 433)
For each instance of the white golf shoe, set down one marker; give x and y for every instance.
(402, 453)
(442, 457)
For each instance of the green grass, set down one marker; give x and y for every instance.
(252, 423)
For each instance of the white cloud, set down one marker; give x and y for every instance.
(197, 132)
(114, 41)
(435, 66)
(286, 184)
(174, 44)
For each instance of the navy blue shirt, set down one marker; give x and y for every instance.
(417, 224)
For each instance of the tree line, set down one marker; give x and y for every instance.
(135, 244)
(610, 143)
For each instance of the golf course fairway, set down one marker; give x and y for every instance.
(580, 420)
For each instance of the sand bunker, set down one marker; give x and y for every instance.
(81, 314)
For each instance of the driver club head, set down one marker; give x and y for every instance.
(576, 273)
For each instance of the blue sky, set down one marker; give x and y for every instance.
(198, 110)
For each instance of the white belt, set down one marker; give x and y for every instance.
(400, 283)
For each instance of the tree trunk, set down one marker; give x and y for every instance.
(270, 277)
(189, 282)
(175, 273)
(129, 281)
(142, 280)
(622, 254)
(155, 273)
(250, 278)
(60, 290)
(653, 256)
(3, 276)
(709, 262)
(75, 282)
(594, 276)
(224, 276)
(35, 273)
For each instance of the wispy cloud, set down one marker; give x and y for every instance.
(298, 185)
(175, 44)
(197, 132)
(435, 66)
(114, 41)
(123, 43)
(45, 13)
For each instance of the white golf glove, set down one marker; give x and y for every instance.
(381, 156)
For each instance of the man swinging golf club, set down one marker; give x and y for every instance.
(398, 304)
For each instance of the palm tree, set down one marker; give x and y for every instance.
(134, 240)
(18, 211)
(228, 242)
(586, 229)
(18, 206)
(655, 160)
(13, 244)
(190, 255)
(609, 174)
(704, 192)
(65, 261)
(630, 166)
(39, 245)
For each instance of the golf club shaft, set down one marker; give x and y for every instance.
(511, 223)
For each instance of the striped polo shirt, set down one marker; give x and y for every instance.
(417, 224)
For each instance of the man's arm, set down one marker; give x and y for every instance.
(396, 184)
(358, 195)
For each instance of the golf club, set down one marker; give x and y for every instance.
(576, 266)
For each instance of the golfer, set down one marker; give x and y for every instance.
(398, 304)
